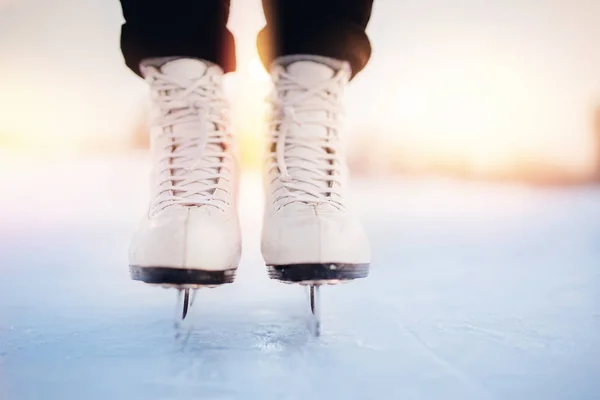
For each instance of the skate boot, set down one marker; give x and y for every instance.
(190, 236)
(310, 235)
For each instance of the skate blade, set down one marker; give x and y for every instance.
(318, 274)
(314, 321)
(184, 303)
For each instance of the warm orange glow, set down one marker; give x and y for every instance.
(481, 112)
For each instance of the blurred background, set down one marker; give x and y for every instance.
(480, 89)
(474, 140)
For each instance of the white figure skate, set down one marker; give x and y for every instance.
(310, 235)
(190, 236)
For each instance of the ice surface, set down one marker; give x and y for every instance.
(478, 291)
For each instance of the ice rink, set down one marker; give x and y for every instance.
(477, 291)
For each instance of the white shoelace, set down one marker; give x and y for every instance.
(195, 132)
(309, 166)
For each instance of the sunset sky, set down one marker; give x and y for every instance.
(482, 80)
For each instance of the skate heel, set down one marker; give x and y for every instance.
(314, 276)
(181, 277)
(319, 273)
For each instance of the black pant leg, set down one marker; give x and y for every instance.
(185, 28)
(330, 28)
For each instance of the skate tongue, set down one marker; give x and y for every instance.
(185, 68)
(310, 72)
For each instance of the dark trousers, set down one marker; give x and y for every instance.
(197, 28)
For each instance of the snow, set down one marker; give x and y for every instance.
(478, 291)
